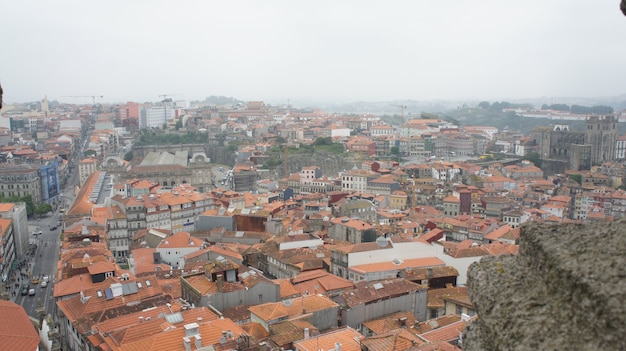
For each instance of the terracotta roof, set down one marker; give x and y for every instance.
(365, 291)
(435, 323)
(16, 329)
(180, 240)
(101, 267)
(319, 281)
(435, 346)
(395, 340)
(347, 337)
(172, 338)
(448, 333)
(397, 265)
(496, 234)
(237, 314)
(391, 322)
(5, 207)
(82, 205)
(286, 288)
(285, 333)
(274, 310)
(429, 273)
(436, 297)
(256, 330)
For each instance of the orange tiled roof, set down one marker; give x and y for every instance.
(347, 337)
(273, 310)
(16, 328)
(398, 265)
(180, 240)
(394, 340)
(448, 333)
(172, 338)
(5, 207)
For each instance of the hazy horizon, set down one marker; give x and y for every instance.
(332, 52)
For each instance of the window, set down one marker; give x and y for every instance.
(459, 309)
(260, 297)
(433, 313)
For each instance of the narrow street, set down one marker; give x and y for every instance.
(44, 255)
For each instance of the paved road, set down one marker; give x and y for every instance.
(219, 175)
(44, 262)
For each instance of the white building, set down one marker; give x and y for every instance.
(356, 180)
(174, 248)
(157, 116)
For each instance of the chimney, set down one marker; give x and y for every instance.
(140, 319)
(198, 341)
(307, 334)
(429, 272)
(220, 283)
(337, 346)
(187, 343)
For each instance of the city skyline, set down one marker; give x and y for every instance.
(322, 51)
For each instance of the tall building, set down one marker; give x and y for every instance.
(157, 116)
(130, 110)
(601, 134)
(7, 248)
(17, 213)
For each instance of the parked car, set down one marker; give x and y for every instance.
(53, 227)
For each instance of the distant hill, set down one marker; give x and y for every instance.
(222, 100)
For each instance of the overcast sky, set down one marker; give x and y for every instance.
(132, 50)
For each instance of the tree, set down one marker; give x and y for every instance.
(323, 141)
(128, 156)
(426, 115)
(90, 152)
(271, 163)
(534, 158)
(602, 110)
(395, 150)
(232, 146)
(28, 200)
(578, 178)
(484, 105)
(43, 209)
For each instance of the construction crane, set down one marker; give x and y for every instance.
(402, 109)
(164, 96)
(93, 97)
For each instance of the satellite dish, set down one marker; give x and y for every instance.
(287, 302)
(381, 241)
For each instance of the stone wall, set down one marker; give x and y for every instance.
(566, 290)
(330, 164)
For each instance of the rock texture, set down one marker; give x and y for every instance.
(566, 290)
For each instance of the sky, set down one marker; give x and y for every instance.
(332, 51)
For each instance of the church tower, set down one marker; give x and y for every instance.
(601, 134)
